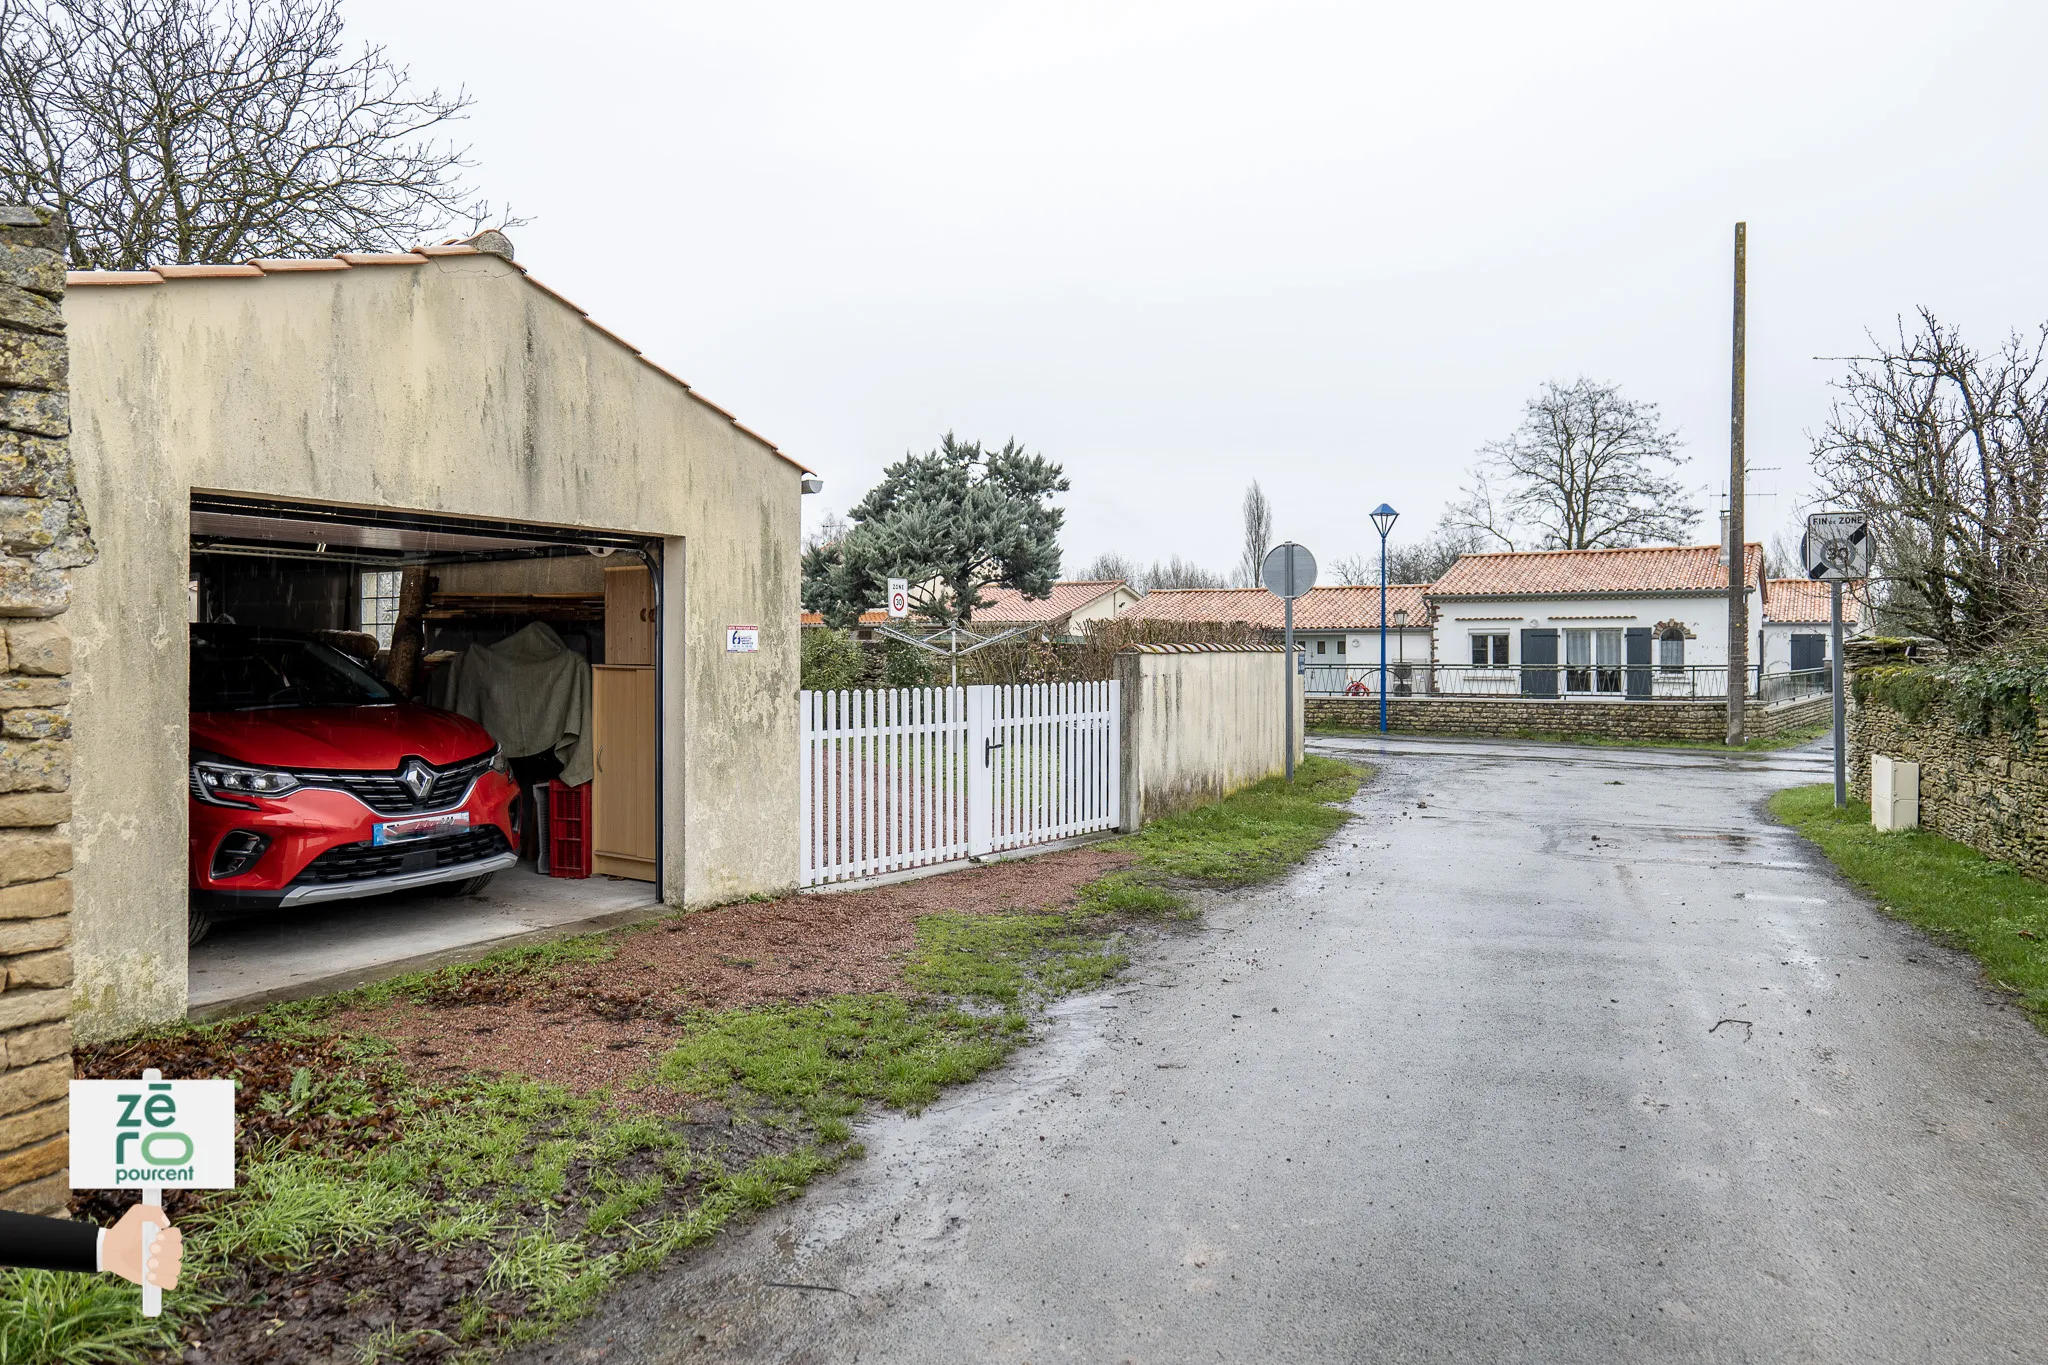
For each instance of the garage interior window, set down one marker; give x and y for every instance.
(380, 605)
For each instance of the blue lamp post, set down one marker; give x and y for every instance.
(1383, 517)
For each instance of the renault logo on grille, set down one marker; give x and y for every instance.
(417, 777)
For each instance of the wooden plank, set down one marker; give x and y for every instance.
(623, 799)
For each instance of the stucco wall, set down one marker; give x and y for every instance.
(1199, 722)
(1704, 615)
(452, 385)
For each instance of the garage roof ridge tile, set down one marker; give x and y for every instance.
(381, 257)
(287, 265)
(78, 277)
(209, 271)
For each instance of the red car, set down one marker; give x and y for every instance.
(313, 781)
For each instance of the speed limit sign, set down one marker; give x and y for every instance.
(899, 597)
(1837, 547)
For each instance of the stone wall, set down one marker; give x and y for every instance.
(1691, 722)
(1985, 791)
(43, 536)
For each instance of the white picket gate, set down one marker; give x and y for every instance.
(906, 777)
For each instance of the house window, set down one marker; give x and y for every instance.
(1489, 651)
(1320, 646)
(379, 606)
(1592, 660)
(1340, 646)
(1671, 653)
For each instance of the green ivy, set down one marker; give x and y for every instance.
(1983, 697)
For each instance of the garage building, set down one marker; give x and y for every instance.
(432, 462)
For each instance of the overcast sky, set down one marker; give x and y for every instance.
(1180, 245)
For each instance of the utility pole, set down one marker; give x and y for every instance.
(1738, 550)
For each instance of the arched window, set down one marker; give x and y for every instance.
(1671, 651)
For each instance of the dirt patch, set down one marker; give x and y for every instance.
(599, 1026)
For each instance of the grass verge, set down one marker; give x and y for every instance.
(380, 1217)
(1769, 744)
(1989, 909)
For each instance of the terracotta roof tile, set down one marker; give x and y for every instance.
(279, 265)
(207, 272)
(1331, 608)
(448, 249)
(1067, 597)
(1804, 602)
(381, 257)
(1574, 573)
(73, 278)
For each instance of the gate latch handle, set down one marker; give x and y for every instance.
(988, 748)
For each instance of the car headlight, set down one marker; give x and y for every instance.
(219, 783)
(500, 763)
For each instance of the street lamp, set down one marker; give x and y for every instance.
(1383, 517)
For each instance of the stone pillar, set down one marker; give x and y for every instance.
(43, 536)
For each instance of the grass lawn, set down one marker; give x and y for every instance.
(389, 1213)
(1790, 739)
(1987, 908)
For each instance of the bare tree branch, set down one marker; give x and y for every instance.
(1258, 535)
(1580, 473)
(219, 130)
(1945, 449)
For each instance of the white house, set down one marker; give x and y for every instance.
(1645, 622)
(1337, 628)
(1796, 623)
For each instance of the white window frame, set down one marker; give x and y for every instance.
(374, 589)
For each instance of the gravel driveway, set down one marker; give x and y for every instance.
(1552, 1055)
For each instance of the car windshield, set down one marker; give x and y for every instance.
(238, 670)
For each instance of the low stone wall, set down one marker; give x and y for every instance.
(1691, 722)
(1984, 791)
(1198, 723)
(42, 537)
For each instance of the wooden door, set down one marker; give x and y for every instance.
(629, 616)
(623, 801)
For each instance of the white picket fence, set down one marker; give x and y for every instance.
(908, 777)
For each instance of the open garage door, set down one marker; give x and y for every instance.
(411, 734)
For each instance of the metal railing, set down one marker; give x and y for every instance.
(1593, 682)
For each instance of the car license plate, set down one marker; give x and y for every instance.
(398, 831)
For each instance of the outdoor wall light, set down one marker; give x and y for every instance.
(811, 483)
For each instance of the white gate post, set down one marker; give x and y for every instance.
(980, 770)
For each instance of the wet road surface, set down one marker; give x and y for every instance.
(1552, 1055)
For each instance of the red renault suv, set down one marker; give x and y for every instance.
(313, 781)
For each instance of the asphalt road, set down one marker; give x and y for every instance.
(1553, 1055)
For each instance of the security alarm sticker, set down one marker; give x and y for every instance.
(165, 1134)
(742, 639)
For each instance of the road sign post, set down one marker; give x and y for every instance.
(1288, 571)
(1837, 549)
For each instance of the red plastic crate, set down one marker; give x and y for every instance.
(568, 830)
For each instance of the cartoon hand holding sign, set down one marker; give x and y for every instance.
(148, 1135)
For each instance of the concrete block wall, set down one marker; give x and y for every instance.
(1986, 791)
(1692, 722)
(43, 536)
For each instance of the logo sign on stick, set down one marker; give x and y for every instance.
(1837, 546)
(899, 598)
(177, 1135)
(742, 639)
(1288, 570)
